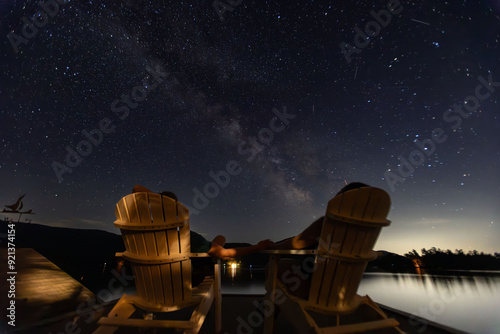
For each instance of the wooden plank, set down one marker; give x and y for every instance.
(326, 236)
(133, 212)
(186, 280)
(270, 285)
(337, 290)
(121, 211)
(185, 238)
(355, 276)
(350, 238)
(218, 296)
(133, 242)
(145, 217)
(338, 238)
(147, 283)
(287, 252)
(150, 243)
(176, 270)
(359, 244)
(140, 243)
(201, 289)
(361, 327)
(161, 243)
(166, 275)
(347, 204)
(185, 247)
(200, 313)
(177, 281)
(371, 240)
(334, 204)
(138, 280)
(169, 210)
(181, 324)
(326, 243)
(122, 310)
(156, 278)
(379, 206)
(128, 240)
(317, 279)
(331, 268)
(173, 241)
(143, 211)
(156, 208)
(350, 282)
(372, 204)
(173, 248)
(134, 217)
(182, 212)
(360, 199)
(179, 284)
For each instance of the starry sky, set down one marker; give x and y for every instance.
(282, 102)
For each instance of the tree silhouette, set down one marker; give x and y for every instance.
(438, 259)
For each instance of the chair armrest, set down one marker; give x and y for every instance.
(215, 260)
(199, 255)
(120, 255)
(290, 251)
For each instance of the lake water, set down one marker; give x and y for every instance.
(469, 301)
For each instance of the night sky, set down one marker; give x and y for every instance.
(292, 99)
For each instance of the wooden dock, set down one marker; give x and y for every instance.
(50, 301)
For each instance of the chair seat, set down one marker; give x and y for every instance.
(198, 293)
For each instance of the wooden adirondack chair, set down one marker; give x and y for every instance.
(155, 230)
(350, 229)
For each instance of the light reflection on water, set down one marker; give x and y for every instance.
(247, 281)
(469, 302)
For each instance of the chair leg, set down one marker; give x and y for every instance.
(200, 312)
(370, 303)
(272, 274)
(218, 297)
(123, 309)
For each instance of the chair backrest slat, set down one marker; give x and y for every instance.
(157, 284)
(177, 281)
(166, 275)
(156, 207)
(161, 243)
(156, 231)
(317, 279)
(169, 208)
(185, 245)
(350, 229)
(330, 268)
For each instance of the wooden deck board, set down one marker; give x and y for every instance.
(43, 291)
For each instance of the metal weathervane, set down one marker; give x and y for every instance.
(17, 207)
